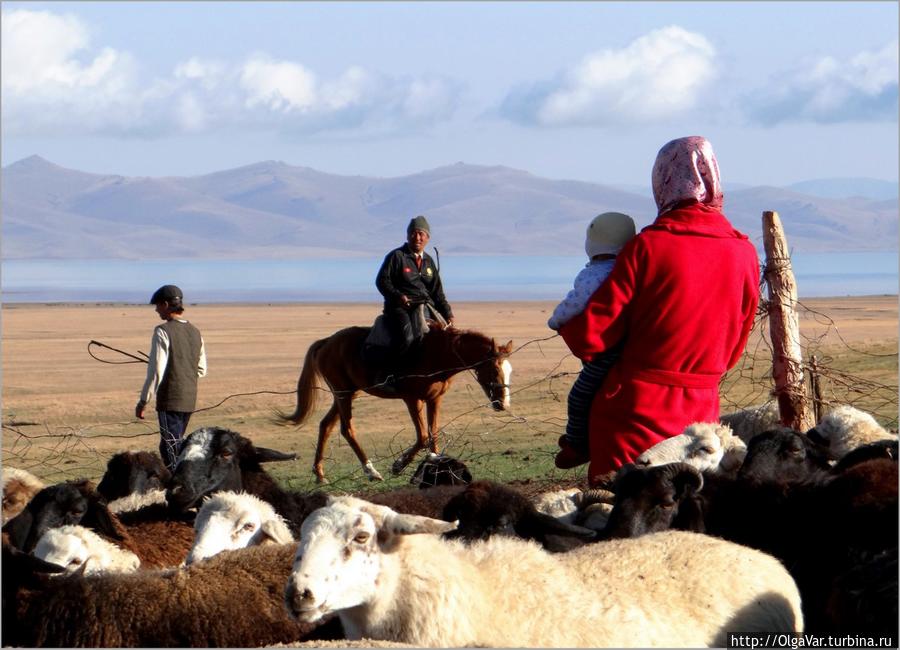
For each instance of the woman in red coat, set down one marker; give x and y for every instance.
(682, 296)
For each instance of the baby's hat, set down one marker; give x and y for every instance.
(607, 233)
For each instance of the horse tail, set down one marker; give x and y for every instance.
(306, 385)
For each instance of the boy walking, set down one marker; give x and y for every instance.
(177, 360)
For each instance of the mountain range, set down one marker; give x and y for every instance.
(273, 210)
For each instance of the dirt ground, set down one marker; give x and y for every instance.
(65, 412)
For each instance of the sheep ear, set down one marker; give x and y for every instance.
(277, 531)
(265, 455)
(402, 524)
(18, 528)
(552, 526)
(99, 518)
(814, 435)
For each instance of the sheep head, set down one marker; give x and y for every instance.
(73, 502)
(650, 499)
(339, 557)
(701, 444)
(213, 459)
(229, 520)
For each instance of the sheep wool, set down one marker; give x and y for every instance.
(666, 590)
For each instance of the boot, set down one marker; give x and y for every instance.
(569, 456)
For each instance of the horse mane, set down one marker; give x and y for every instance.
(456, 336)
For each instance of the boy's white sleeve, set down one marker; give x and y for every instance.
(201, 364)
(575, 301)
(156, 365)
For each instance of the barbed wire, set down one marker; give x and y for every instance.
(475, 434)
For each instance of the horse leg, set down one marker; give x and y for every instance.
(325, 427)
(415, 413)
(349, 434)
(433, 407)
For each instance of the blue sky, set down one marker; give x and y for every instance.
(786, 91)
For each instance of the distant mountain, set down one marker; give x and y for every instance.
(843, 188)
(274, 210)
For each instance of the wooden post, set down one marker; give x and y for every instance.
(784, 328)
(816, 382)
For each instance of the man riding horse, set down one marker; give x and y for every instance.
(408, 278)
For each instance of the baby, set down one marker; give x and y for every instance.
(606, 235)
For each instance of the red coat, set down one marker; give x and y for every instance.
(683, 295)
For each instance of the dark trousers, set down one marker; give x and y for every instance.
(399, 322)
(581, 396)
(172, 425)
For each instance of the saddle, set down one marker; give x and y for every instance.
(376, 349)
(380, 336)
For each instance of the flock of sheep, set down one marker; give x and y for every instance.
(735, 527)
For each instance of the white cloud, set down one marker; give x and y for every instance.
(55, 82)
(41, 69)
(828, 90)
(658, 75)
(278, 85)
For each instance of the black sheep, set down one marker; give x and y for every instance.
(437, 469)
(213, 459)
(879, 449)
(486, 508)
(72, 502)
(783, 455)
(818, 527)
(133, 472)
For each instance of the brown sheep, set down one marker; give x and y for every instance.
(234, 599)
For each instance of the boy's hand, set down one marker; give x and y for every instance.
(139, 409)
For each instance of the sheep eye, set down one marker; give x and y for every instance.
(76, 561)
(361, 538)
(249, 526)
(225, 455)
(707, 450)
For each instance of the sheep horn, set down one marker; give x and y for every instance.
(683, 470)
(595, 495)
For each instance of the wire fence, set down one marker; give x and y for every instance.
(838, 373)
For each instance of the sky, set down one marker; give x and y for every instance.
(785, 91)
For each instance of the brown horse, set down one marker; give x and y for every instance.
(444, 353)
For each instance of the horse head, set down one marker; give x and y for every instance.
(493, 374)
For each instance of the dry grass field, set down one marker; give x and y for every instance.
(64, 413)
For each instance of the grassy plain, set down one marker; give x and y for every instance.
(64, 413)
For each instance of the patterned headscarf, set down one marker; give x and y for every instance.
(686, 169)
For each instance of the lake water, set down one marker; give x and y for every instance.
(353, 280)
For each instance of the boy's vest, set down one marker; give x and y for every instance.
(178, 389)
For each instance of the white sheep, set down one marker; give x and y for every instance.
(233, 520)
(746, 423)
(707, 446)
(80, 550)
(562, 504)
(845, 428)
(387, 574)
(571, 506)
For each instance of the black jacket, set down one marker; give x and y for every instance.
(399, 276)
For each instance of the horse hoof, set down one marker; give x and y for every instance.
(321, 480)
(397, 467)
(372, 473)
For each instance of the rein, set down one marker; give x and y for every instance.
(467, 366)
